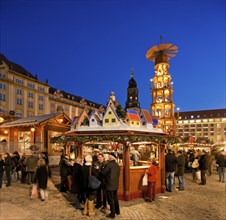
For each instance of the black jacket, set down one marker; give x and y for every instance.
(171, 162)
(111, 173)
(2, 164)
(76, 178)
(203, 162)
(221, 160)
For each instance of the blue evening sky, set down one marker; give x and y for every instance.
(87, 48)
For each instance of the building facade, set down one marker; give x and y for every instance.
(23, 95)
(210, 124)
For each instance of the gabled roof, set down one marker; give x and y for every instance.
(33, 120)
(113, 110)
(146, 115)
(96, 115)
(133, 115)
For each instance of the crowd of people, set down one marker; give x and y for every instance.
(199, 162)
(75, 179)
(75, 175)
(32, 169)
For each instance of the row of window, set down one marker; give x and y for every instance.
(19, 92)
(20, 82)
(203, 116)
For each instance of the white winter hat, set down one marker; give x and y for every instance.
(88, 160)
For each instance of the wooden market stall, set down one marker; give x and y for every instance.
(34, 133)
(130, 182)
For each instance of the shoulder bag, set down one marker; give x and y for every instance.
(93, 182)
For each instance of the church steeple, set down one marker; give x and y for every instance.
(132, 93)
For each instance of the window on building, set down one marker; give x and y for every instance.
(52, 105)
(30, 95)
(19, 91)
(113, 120)
(198, 116)
(41, 89)
(2, 97)
(19, 82)
(93, 120)
(40, 106)
(30, 104)
(40, 97)
(106, 120)
(143, 123)
(2, 86)
(19, 114)
(2, 75)
(19, 101)
(192, 116)
(109, 112)
(30, 85)
(198, 125)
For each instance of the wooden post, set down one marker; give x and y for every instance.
(161, 147)
(126, 170)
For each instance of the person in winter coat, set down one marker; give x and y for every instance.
(171, 162)
(111, 173)
(88, 169)
(31, 164)
(203, 167)
(16, 158)
(65, 168)
(152, 179)
(101, 200)
(2, 169)
(180, 170)
(41, 178)
(221, 162)
(23, 168)
(8, 168)
(77, 183)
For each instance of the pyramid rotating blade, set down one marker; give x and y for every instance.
(164, 46)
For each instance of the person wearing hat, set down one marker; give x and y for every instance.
(111, 173)
(180, 169)
(88, 169)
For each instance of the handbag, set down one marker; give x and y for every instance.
(93, 182)
(34, 192)
(145, 180)
(195, 164)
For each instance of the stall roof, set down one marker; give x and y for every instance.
(29, 121)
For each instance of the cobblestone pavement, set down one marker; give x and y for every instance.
(196, 202)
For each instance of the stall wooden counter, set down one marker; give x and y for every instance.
(136, 190)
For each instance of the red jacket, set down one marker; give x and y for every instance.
(152, 172)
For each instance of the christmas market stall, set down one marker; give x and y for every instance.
(121, 138)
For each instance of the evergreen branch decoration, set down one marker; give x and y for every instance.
(121, 139)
